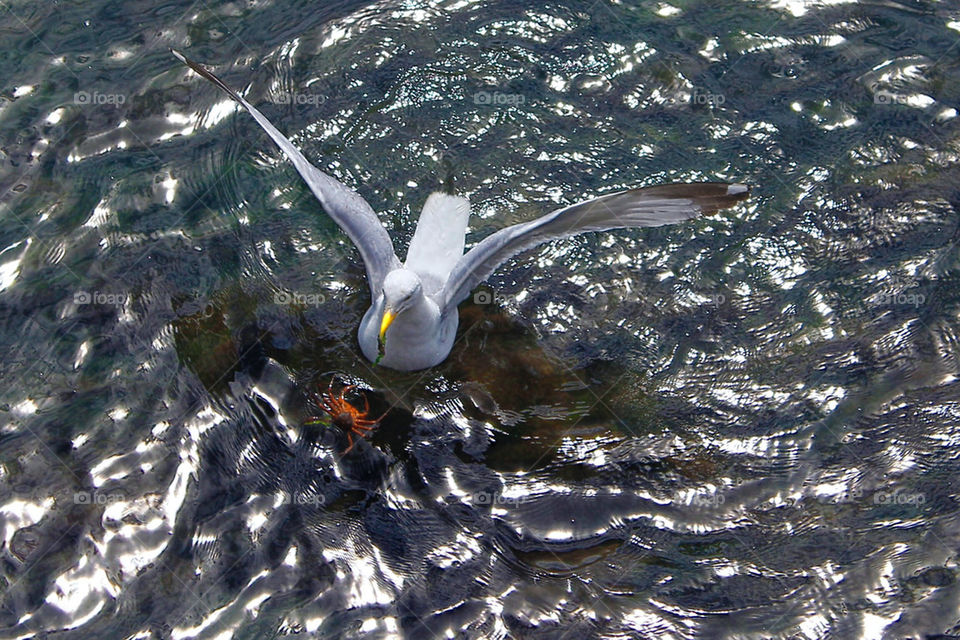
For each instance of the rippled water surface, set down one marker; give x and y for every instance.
(740, 427)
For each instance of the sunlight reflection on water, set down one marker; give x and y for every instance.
(741, 427)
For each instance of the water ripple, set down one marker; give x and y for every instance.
(742, 427)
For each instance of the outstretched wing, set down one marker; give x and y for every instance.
(643, 207)
(341, 203)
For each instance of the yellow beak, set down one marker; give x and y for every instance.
(388, 317)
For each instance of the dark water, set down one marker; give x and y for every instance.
(741, 427)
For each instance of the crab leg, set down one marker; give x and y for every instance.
(347, 450)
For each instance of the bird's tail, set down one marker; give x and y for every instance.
(438, 242)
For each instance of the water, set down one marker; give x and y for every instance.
(739, 427)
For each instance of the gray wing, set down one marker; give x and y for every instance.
(344, 205)
(643, 207)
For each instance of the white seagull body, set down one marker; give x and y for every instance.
(412, 319)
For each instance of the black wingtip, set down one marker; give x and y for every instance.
(736, 192)
(710, 197)
(201, 71)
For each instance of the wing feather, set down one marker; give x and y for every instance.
(643, 207)
(345, 206)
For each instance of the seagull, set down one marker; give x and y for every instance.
(412, 320)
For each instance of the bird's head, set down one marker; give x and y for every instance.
(401, 288)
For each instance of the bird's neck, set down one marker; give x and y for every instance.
(422, 315)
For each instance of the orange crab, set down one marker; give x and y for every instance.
(345, 415)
